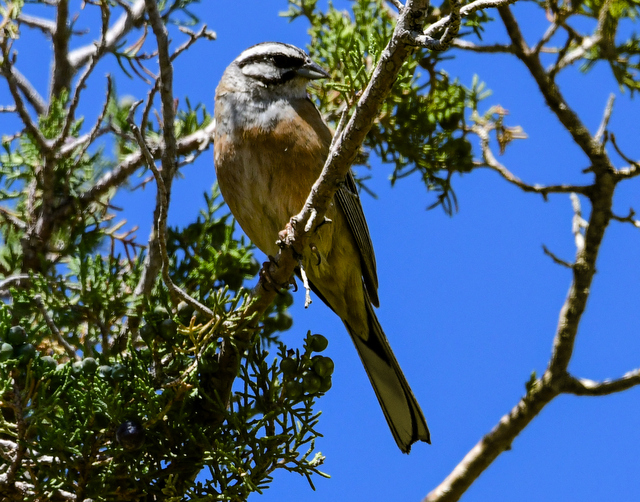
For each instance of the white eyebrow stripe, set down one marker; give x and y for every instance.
(269, 48)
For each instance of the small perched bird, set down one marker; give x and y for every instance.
(270, 146)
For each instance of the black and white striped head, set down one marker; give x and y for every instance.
(273, 65)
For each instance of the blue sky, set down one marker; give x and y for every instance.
(470, 302)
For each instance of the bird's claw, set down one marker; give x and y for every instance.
(265, 276)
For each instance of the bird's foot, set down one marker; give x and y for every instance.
(269, 282)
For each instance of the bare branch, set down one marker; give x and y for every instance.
(62, 70)
(551, 30)
(464, 12)
(193, 37)
(491, 446)
(567, 116)
(198, 141)
(627, 219)
(79, 57)
(451, 28)
(554, 257)
(586, 43)
(153, 260)
(96, 130)
(492, 163)
(585, 387)
(47, 26)
(397, 4)
(600, 134)
(162, 204)
(82, 81)
(30, 93)
(9, 216)
(29, 124)
(491, 49)
(634, 166)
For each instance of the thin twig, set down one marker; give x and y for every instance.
(82, 81)
(193, 37)
(30, 92)
(451, 28)
(54, 329)
(600, 134)
(634, 166)
(96, 129)
(161, 224)
(491, 162)
(554, 257)
(627, 219)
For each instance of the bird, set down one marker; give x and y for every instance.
(270, 145)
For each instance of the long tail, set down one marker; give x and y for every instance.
(400, 407)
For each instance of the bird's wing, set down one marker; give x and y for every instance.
(349, 202)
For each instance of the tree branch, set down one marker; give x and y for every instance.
(134, 15)
(491, 49)
(153, 260)
(586, 387)
(492, 163)
(553, 97)
(62, 69)
(47, 26)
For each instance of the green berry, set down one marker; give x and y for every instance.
(89, 365)
(6, 351)
(168, 329)
(311, 383)
(25, 352)
(326, 384)
(185, 312)
(118, 372)
(17, 336)
(105, 371)
(317, 343)
(49, 362)
(323, 366)
(293, 390)
(288, 366)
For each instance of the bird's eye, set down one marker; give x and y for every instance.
(282, 61)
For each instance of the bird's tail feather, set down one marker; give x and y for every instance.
(400, 407)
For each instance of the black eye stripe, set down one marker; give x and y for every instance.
(280, 60)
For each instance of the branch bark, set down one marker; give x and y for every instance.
(555, 379)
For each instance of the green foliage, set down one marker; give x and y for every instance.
(109, 394)
(146, 414)
(420, 128)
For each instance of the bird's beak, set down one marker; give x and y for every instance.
(312, 71)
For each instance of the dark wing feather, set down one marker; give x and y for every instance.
(349, 201)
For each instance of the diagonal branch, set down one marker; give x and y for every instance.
(21, 83)
(554, 99)
(129, 20)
